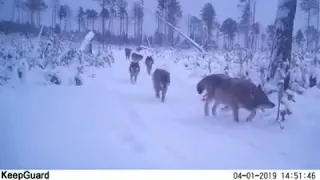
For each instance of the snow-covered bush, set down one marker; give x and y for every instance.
(20, 56)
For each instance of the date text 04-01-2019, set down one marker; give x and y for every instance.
(275, 175)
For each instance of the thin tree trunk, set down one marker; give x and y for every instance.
(13, 11)
(79, 24)
(318, 19)
(103, 22)
(31, 18)
(38, 18)
(127, 25)
(308, 33)
(253, 21)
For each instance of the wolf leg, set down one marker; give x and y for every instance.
(252, 115)
(163, 94)
(235, 110)
(135, 78)
(206, 107)
(214, 108)
(149, 70)
(156, 89)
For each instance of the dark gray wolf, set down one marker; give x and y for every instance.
(136, 57)
(134, 70)
(127, 52)
(161, 81)
(236, 93)
(149, 62)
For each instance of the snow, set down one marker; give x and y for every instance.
(110, 123)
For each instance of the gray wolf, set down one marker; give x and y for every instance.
(134, 70)
(127, 52)
(136, 57)
(161, 81)
(149, 62)
(236, 93)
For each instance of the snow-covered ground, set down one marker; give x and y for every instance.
(110, 123)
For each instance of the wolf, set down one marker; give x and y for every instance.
(161, 81)
(149, 62)
(136, 57)
(134, 70)
(127, 52)
(236, 93)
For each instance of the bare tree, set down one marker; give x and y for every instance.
(35, 6)
(104, 14)
(55, 9)
(310, 7)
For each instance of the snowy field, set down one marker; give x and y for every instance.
(110, 123)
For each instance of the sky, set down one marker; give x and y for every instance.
(265, 12)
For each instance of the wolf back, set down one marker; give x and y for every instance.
(161, 81)
(234, 92)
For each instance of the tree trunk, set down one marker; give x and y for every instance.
(110, 22)
(141, 29)
(103, 22)
(127, 25)
(79, 24)
(308, 33)
(38, 18)
(281, 52)
(134, 27)
(31, 18)
(13, 11)
(253, 21)
(318, 19)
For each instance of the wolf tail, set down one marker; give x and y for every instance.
(201, 85)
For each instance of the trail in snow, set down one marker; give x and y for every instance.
(110, 123)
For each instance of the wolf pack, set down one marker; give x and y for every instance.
(232, 92)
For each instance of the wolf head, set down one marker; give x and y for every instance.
(149, 60)
(134, 68)
(201, 86)
(261, 99)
